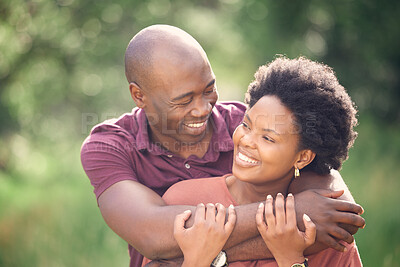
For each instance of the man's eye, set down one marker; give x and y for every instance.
(210, 91)
(187, 102)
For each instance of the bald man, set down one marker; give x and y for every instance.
(177, 132)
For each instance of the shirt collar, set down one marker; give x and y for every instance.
(221, 140)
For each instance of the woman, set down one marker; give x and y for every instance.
(299, 118)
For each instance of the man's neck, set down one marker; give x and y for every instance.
(183, 149)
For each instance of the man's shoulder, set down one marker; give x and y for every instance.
(230, 114)
(232, 108)
(122, 129)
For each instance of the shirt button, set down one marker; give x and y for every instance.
(187, 166)
(169, 156)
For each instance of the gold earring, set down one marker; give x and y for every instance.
(296, 172)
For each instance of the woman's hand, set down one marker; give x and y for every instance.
(202, 242)
(280, 232)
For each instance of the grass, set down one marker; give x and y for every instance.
(50, 217)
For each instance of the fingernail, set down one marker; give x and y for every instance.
(231, 207)
(305, 216)
(279, 194)
(345, 249)
(201, 204)
(363, 226)
(187, 211)
(269, 197)
(290, 195)
(261, 205)
(362, 211)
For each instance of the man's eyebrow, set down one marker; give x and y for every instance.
(211, 83)
(190, 93)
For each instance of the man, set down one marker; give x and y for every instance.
(178, 132)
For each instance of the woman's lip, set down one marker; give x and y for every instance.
(244, 163)
(246, 153)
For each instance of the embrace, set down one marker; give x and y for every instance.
(165, 173)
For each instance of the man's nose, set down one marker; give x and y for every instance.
(202, 108)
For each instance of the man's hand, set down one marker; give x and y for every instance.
(327, 213)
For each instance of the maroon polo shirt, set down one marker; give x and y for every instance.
(120, 149)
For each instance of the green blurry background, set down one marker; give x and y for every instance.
(61, 72)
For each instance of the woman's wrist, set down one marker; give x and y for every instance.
(286, 261)
(190, 263)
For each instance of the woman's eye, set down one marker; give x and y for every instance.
(268, 139)
(245, 125)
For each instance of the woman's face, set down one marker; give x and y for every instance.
(265, 145)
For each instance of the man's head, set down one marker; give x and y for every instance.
(171, 78)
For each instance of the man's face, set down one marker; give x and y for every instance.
(180, 100)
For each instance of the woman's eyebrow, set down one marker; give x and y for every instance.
(270, 130)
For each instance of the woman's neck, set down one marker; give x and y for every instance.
(245, 193)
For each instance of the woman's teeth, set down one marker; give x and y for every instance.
(246, 158)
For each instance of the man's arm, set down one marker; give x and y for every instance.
(140, 217)
(335, 219)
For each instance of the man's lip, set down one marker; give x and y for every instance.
(195, 124)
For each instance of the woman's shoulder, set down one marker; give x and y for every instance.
(195, 191)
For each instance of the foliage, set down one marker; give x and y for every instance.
(61, 72)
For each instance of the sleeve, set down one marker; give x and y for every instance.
(106, 161)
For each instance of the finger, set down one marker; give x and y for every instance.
(331, 242)
(344, 205)
(221, 213)
(329, 193)
(290, 211)
(230, 224)
(180, 219)
(200, 213)
(280, 210)
(341, 234)
(210, 213)
(348, 218)
(351, 229)
(269, 213)
(261, 226)
(311, 230)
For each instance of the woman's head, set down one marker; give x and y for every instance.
(322, 113)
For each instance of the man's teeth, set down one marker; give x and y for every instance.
(195, 125)
(246, 158)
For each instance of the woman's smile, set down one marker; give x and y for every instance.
(245, 159)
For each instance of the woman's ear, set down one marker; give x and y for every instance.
(137, 95)
(306, 156)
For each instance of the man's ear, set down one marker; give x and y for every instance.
(137, 95)
(306, 156)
